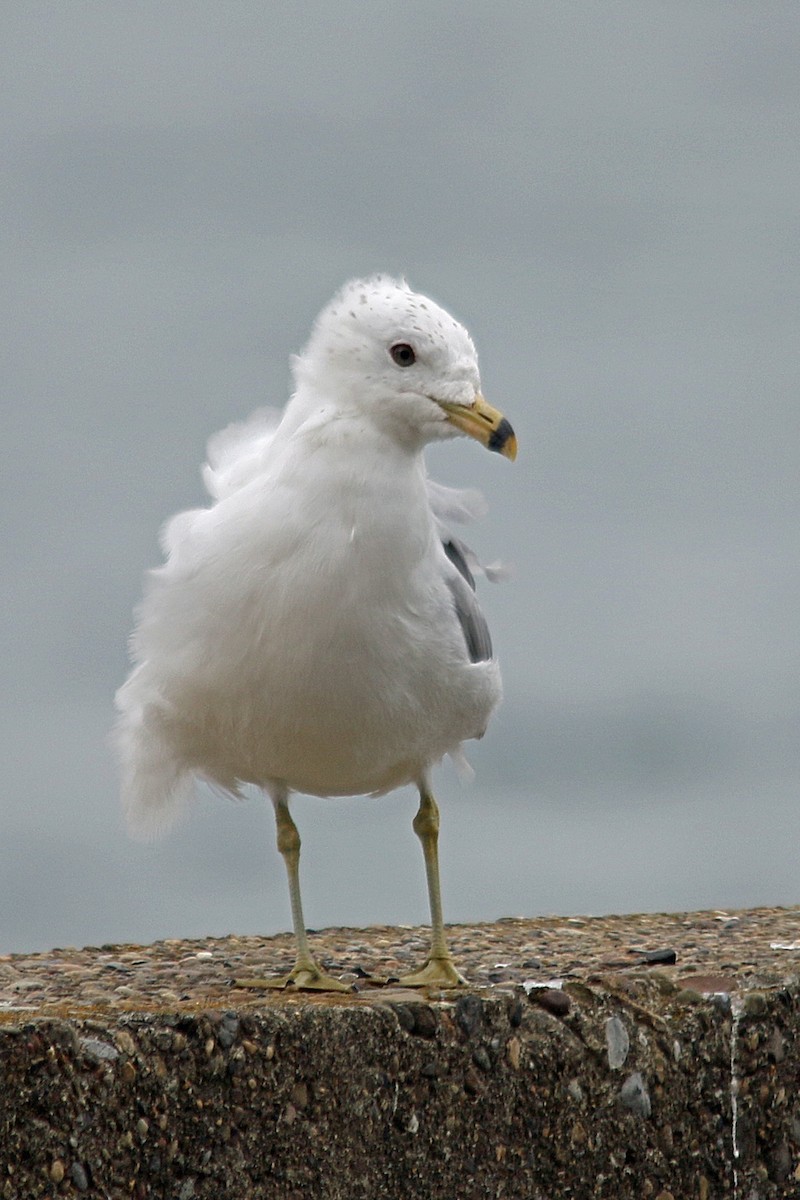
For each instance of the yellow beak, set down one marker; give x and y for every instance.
(485, 424)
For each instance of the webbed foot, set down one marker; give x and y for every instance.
(304, 977)
(435, 972)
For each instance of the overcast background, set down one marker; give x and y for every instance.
(608, 195)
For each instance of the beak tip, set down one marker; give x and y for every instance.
(503, 440)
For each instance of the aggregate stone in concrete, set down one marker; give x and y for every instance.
(654, 1056)
(472, 1097)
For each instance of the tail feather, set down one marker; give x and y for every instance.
(156, 784)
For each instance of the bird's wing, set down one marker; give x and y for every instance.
(462, 588)
(462, 505)
(237, 453)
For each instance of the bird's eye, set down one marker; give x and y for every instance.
(403, 354)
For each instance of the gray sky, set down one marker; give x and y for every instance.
(607, 194)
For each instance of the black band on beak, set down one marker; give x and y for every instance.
(498, 437)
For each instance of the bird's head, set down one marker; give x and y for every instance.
(395, 358)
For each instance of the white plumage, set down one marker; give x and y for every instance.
(315, 628)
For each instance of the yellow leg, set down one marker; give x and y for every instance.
(306, 973)
(438, 970)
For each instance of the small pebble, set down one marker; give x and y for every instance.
(79, 1177)
(98, 1051)
(579, 1135)
(552, 1000)
(425, 1023)
(472, 1082)
(617, 1042)
(755, 1005)
(658, 957)
(469, 1014)
(634, 1095)
(405, 1017)
(480, 1056)
(228, 1030)
(125, 1042)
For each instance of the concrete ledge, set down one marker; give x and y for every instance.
(614, 1085)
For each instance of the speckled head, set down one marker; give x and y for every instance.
(381, 349)
(369, 315)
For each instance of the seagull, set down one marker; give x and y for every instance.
(315, 629)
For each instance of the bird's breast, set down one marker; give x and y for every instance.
(327, 651)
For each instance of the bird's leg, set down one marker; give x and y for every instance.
(306, 973)
(438, 970)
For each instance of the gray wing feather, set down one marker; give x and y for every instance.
(471, 619)
(458, 554)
